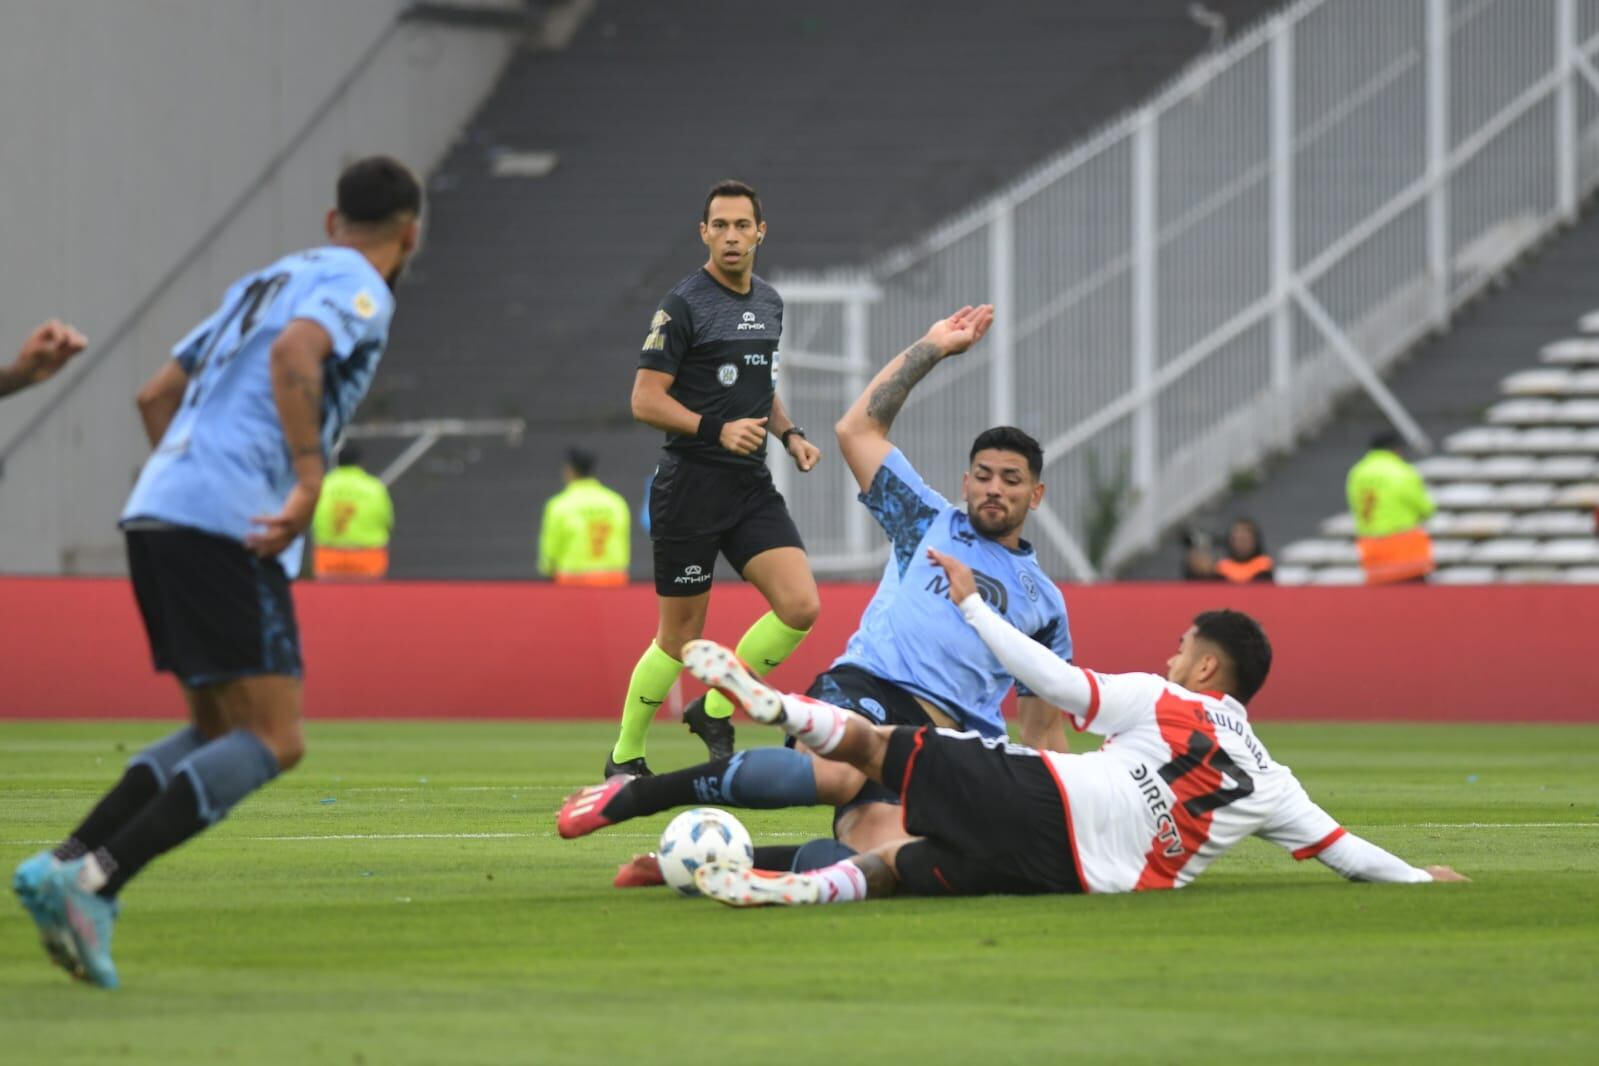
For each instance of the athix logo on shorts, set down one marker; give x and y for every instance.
(749, 322)
(727, 374)
(693, 574)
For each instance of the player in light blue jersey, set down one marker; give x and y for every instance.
(909, 663)
(243, 419)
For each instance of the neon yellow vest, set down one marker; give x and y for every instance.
(354, 511)
(1386, 495)
(585, 529)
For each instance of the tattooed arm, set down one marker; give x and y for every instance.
(297, 362)
(863, 431)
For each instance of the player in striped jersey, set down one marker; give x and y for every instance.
(1180, 779)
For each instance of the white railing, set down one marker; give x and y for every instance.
(1194, 287)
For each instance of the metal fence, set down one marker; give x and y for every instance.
(1192, 288)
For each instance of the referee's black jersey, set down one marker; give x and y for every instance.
(721, 347)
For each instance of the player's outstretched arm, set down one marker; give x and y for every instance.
(1050, 677)
(655, 406)
(1040, 726)
(863, 431)
(296, 361)
(1359, 859)
(45, 351)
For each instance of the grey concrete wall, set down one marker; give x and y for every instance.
(129, 131)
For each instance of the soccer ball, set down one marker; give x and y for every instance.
(699, 836)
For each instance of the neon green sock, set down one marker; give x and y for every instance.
(764, 647)
(653, 678)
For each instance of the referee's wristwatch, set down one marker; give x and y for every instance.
(791, 431)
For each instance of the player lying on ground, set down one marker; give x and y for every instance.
(913, 661)
(1184, 780)
(242, 419)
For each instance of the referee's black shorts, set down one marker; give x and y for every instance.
(990, 814)
(699, 509)
(213, 610)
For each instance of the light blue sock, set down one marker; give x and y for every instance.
(226, 770)
(769, 777)
(164, 755)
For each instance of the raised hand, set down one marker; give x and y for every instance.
(958, 332)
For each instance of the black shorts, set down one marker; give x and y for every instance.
(884, 702)
(213, 610)
(989, 811)
(700, 509)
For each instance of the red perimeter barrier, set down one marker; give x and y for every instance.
(74, 647)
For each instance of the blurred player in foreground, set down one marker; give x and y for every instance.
(46, 350)
(243, 419)
(1181, 779)
(913, 661)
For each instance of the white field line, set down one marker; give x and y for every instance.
(785, 836)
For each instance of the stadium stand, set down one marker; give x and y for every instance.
(1514, 504)
(534, 292)
(1514, 406)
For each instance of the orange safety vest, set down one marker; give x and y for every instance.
(1396, 557)
(1242, 573)
(343, 563)
(593, 579)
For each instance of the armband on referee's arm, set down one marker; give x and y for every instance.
(710, 430)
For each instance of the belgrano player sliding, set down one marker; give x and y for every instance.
(707, 377)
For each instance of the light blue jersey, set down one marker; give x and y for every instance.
(913, 636)
(223, 461)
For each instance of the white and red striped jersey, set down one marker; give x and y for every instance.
(1180, 778)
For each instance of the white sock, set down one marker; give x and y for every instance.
(817, 725)
(91, 877)
(842, 882)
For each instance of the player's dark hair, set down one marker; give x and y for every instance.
(1387, 440)
(1244, 643)
(581, 462)
(1011, 439)
(349, 454)
(378, 189)
(732, 188)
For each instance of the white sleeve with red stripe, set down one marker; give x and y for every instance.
(1361, 860)
(1309, 832)
(1105, 703)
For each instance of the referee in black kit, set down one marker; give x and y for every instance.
(707, 376)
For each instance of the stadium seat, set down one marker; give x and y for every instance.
(1341, 524)
(1321, 552)
(1338, 575)
(1450, 468)
(1584, 495)
(1552, 524)
(1505, 551)
(1570, 551)
(1292, 575)
(1555, 382)
(1465, 575)
(1582, 575)
(1472, 525)
(1530, 575)
(1448, 552)
(1465, 494)
(1574, 351)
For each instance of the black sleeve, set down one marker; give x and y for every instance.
(671, 333)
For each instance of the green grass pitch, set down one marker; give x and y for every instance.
(403, 898)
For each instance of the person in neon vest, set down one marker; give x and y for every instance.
(353, 523)
(583, 539)
(1390, 504)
